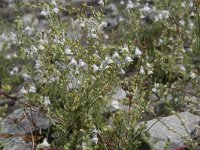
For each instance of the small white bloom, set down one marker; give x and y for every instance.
(14, 70)
(54, 2)
(33, 49)
(82, 24)
(73, 62)
(182, 22)
(38, 64)
(183, 4)
(129, 5)
(32, 89)
(154, 90)
(28, 30)
(182, 68)
(125, 48)
(122, 2)
(42, 41)
(45, 143)
(116, 55)
(128, 59)
(142, 70)
(44, 13)
(122, 72)
(46, 101)
(13, 36)
(23, 91)
(56, 10)
(93, 35)
(82, 63)
(41, 47)
(149, 72)
(103, 24)
(95, 68)
(101, 2)
(95, 139)
(26, 76)
(192, 75)
(137, 51)
(191, 4)
(108, 61)
(106, 36)
(146, 8)
(148, 65)
(165, 14)
(68, 51)
(160, 42)
(115, 104)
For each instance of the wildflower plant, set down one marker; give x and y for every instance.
(74, 65)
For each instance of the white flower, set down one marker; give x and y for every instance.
(26, 76)
(156, 87)
(142, 70)
(14, 70)
(129, 5)
(28, 30)
(122, 72)
(183, 4)
(165, 14)
(23, 91)
(192, 75)
(137, 51)
(93, 35)
(68, 51)
(82, 63)
(160, 42)
(101, 2)
(108, 61)
(45, 143)
(182, 68)
(115, 104)
(125, 48)
(38, 64)
(42, 41)
(46, 101)
(73, 62)
(56, 10)
(33, 49)
(41, 47)
(106, 36)
(44, 13)
(32, 89)
(13, 36)
(149, 72)
(182, 22)
(116, 55)
(191, 4)
(54, 2)
(95, 139)
(146, 8)
(103, 24)
(148, 65)
(128, 59)
(95, 68)
(82, 24)
(122, 2)
(154, 90)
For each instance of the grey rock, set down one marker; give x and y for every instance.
(160, 134)
(16, 143)
(25, 121)
(119, 93)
